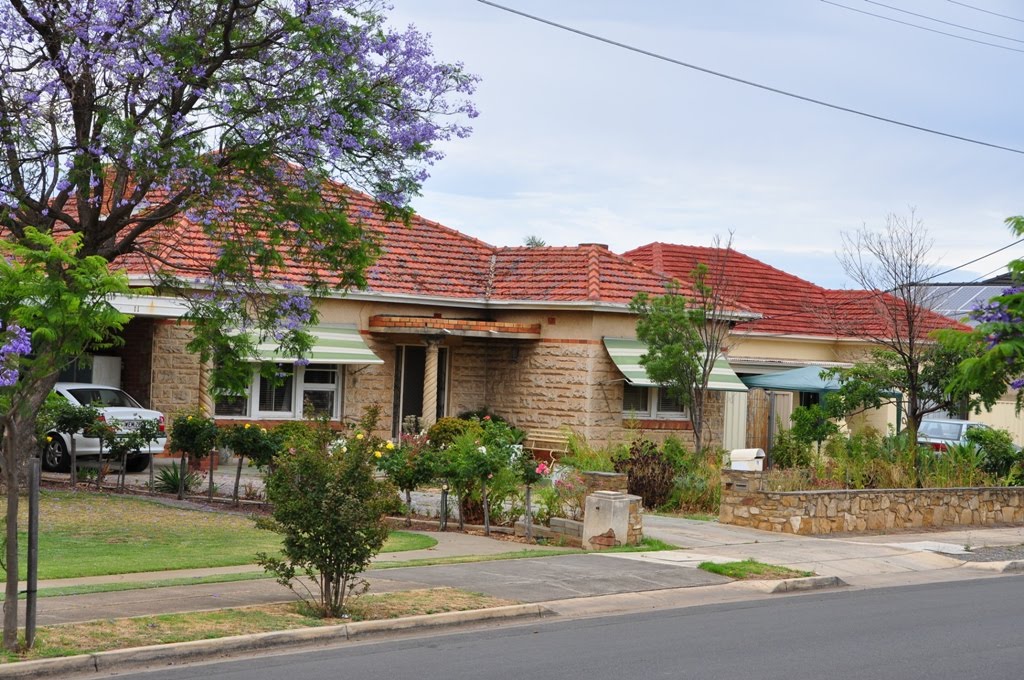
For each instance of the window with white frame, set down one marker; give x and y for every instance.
(652, 402)
(294, 392)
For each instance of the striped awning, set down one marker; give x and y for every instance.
(626, 354)
(332, 344)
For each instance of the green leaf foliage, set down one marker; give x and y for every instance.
(330, 510)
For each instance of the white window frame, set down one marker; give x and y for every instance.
(299, 388)
(652, 412)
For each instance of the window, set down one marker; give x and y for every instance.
(652, 402)
(635, 399)
(297, 392)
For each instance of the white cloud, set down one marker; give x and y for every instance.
(582, 142)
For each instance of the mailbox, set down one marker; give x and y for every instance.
(747, 459)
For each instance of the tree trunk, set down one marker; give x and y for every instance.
(181, 476)
(209, 495)
(11, 557)
(74, 463)
(18, 443)
(528, 516)
(462, 512)
(487, 509)
(408, 507)
(238, 477)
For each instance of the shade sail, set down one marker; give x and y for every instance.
(332, 344)
(806, 379)
(626, 353)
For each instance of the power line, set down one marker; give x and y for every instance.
(735, 79)
(923, 28)
(940, 21)
(949, 271)
(979, 9)
(891, 290)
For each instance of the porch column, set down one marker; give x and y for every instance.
(429, 415)
(206, 405)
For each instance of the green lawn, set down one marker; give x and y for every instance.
(87, 534)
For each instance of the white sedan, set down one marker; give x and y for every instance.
(117, 409)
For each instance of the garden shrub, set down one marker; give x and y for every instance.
(330, 510)
(789, 452)
(168, 480)
(811, 425)
(446, 430)
(698, 487)
(582, 456)
(998, 452)
(650, 473)
(409, 465)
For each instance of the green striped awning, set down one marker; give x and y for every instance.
(333, 344)
(626, 354)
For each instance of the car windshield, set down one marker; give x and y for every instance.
(939, 430)
(100, 396)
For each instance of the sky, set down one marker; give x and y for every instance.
(581, 142)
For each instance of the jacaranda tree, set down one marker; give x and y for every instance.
(121, 121)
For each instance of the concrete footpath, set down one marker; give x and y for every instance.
(568, 585)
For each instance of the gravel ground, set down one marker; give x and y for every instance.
(998, 553)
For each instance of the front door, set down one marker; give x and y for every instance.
(410, 362)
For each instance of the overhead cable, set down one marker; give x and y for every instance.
(923, 28)
(767, 88)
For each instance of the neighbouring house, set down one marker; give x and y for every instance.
(447, 324)
(957, 301)
(800, 325)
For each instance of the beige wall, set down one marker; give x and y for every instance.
(175, 383)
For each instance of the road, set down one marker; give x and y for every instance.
(966, 629)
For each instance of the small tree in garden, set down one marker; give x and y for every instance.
(254, 442)
(194, 436)
(60, 415)
(409, 465)
(530, 471)
(331, 511)
(122, 444)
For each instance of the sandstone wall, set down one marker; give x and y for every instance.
(175, 383)
(832, 511)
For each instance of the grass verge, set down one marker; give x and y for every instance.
(752, 569)
(89, 534)
(98, 636)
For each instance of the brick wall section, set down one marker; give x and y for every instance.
(137, 359)
(826, 512)
(175, 385)
(478, 325)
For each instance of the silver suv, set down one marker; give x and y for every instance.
(940, 434)
(117, 409)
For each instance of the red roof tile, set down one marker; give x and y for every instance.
(789, 305)
(427, 259)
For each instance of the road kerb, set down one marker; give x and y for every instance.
(790, 585)
(1008, 567)
(205, 650)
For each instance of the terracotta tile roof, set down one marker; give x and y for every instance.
(587, 272)
(427, 259)
(879, 314)
(789, 305)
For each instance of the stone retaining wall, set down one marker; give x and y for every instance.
(832, 511)
(605, 481)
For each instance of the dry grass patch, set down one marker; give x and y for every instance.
(98, 636)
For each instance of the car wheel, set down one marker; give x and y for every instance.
(55, 455)
(137, 462)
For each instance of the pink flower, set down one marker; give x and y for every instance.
(487, 417)
(543, 469)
